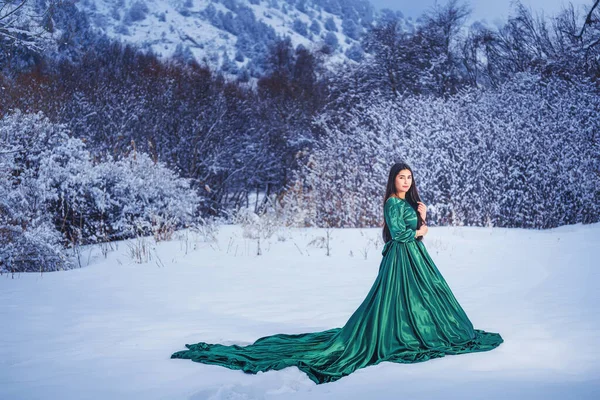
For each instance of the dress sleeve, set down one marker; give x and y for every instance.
(394, 218)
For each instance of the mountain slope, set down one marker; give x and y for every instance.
(233, 35)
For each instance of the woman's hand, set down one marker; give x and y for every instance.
(422, 231)
(422, 209)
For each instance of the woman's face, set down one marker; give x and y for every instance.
(403, 181)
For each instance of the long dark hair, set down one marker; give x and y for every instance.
(412, 196)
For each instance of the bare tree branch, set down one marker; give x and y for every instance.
(10, 12)
(588, 20)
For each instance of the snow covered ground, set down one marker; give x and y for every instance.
(107, 330)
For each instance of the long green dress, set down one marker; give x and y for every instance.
(409, 315)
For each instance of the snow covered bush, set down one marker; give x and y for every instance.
(112, 200)
(53, 190)
(525, 154)
(297, 206)
(148, 197)
(207, 228)
(259, 225)
(28, 238)
(27, 245)
(256, 226)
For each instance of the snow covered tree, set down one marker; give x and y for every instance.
(137, 12)
(26, 30)
(331, 41)
(21, 22)
(423, 61)
(565, 45)
(315, 27)
(300, 27)
(330, 25)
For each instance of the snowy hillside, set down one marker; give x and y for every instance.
(231, 33)
(106, 331)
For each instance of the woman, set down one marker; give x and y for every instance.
(409, 315)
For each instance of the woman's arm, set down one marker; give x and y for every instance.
(422, 231)
(394, 218)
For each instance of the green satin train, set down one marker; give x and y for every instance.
(409, 315)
